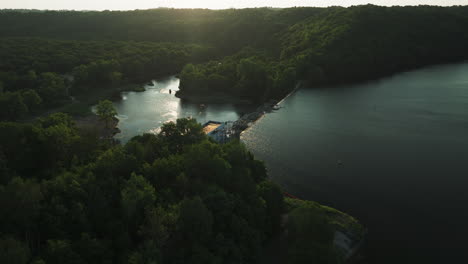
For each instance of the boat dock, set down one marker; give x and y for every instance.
(209, 126)
(221, 132)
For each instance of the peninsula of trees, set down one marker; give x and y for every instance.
(68, 197)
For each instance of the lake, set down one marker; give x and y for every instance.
(391, 152)
(146, 112)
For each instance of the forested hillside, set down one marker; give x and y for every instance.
(228, 30)
(339, 45)
(253, 53)
(68, 197)
(170, 198)
(359, 43)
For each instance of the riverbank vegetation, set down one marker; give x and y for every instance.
(255, 54)
(38, 74)
(175, 197)
(335, 46)
(68, 195)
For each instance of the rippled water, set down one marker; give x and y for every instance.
(403, 147)
(146, 112)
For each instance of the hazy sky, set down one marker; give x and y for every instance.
(214, 4)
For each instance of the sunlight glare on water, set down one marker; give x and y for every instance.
(146, 112)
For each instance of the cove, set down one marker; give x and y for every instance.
(146, 112)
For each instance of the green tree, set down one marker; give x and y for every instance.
(12, 106)
(163, 172)
(31, 99)
(56, 119)
(115, 78)
(19, 144)
(61, 252)
(272, 195)
(253, 78)
(203, 161)
(159, 224)
(64, 207)
(58, 140)
(93, 250)
(195, 220)
(81, 74)
(106, 111)
(5, 173)
(114, 164)
(147, 253)
(13, 251)
(182, 133)
(20, 204)
(52, 87)
(137, 195)
(30, 79)
(310, 237)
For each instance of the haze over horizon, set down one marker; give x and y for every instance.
(212, 4)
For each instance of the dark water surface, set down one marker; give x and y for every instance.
(403, 144)
(146, 112)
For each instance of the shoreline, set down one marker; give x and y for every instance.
(248, 120)
(236, 128)
(347, 239)
(212, 98)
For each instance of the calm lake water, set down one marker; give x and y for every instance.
(146, 112)
(403, 145)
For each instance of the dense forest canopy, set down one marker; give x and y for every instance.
(340, 45)
(175, 197)
(68, 195)
(238, 28)
(255, 53)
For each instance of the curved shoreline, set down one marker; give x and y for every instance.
(236, 128)
(246, 121)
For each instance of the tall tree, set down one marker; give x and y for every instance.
(106, 111)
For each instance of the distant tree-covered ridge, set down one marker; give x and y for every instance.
(335, 46)
(175, 197)
(255, 53)
(228, 30)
